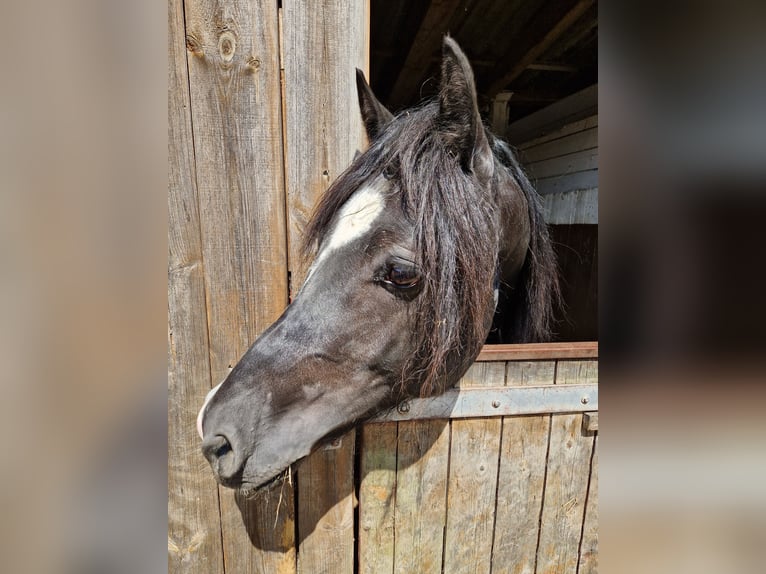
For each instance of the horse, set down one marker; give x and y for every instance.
(430, 242)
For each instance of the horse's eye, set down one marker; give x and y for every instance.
(402, 277)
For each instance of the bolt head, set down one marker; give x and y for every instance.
(585, 400)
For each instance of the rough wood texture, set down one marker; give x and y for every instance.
(472, 483)
(566, 480)
(521, 477)
(194, 539)
(586, 139)
(323, 43)
(590, 422)
(565, 164)
(377, 498)
(571, 208)
(233, 59)
(326, 510)
(421, 478)
(589, 544)
(543, 123)
(539, 351)
(568, 129)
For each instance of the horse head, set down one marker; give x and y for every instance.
(409, 247)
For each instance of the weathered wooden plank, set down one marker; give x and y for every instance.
(498, 401)
(233, 59)
(566, 481)
(522, 475)
(571, 208)
(570, 163)
(323, 44)
(586, 139)
(560, 132)
(589, 545)
(421, 496)
(194, 539)
(590, 421)
(550, 119)
(326, 510)
(474, 452)
(569, 183)
(377, 491)
(539, 351)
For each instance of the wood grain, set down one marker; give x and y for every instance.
(377, 498)
(586, 139)
(566, 480)
(323, 43)
(522, 476)
(421, 478)
(474, 453)
(589, 544)
(539, 351)
(233, 60)
(570, 128)
(194, 539)
(326, 510)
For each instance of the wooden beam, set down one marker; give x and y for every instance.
(426, 43)
(539, 49)
(539, 351)
(551, 67)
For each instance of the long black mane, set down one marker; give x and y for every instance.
(457, 234)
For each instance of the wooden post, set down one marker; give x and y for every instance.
(194, 539)
(233, 62)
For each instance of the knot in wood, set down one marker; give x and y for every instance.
(227, 45)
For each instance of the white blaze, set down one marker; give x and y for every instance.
(201, 413)
(354, 219)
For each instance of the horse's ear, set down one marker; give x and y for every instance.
(459, 118)
(374, 115)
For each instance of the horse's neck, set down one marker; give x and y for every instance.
(513, 212)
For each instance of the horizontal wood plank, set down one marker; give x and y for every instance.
(571, 208)
(568, 129)
(539, 351)
(583, 160)
(586, 139)
(567, 183)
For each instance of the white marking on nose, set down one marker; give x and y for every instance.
(354, 219)
(201, 413)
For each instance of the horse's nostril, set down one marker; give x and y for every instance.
(223, 450)
(216, 448)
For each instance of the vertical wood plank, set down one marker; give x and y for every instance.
(566, 480)
(326, 510)
(323, 43)
(194, 540)
(421, 496)
(521, 476)
(377, 495)
(472, 486)
(589, 545)
(233, 59)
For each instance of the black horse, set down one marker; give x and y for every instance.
(418, 245)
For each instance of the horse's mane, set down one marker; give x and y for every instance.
(538, 292)
(456, 235)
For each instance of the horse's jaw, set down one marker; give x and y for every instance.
(268, 437)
